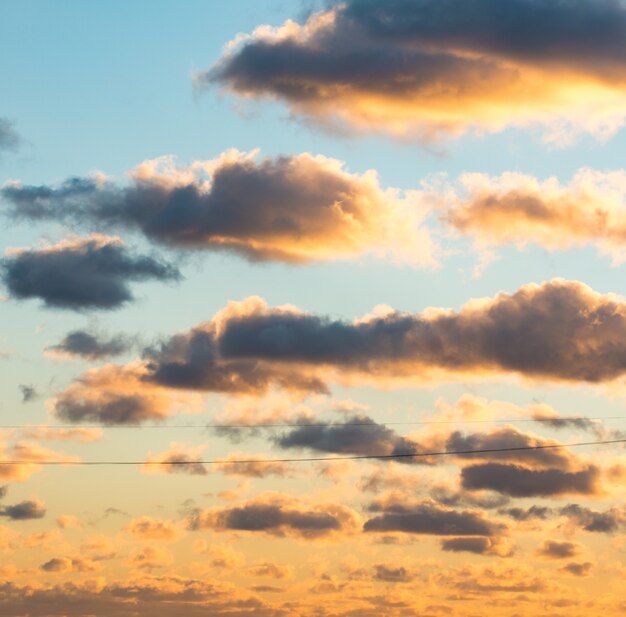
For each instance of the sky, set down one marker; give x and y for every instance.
(312, 308)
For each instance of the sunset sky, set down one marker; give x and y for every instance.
(264, 262)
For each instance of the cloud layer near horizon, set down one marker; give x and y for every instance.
(430, 67)
(290, 209)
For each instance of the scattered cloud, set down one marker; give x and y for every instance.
(80, 273)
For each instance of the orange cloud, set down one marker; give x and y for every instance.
(425, 69)
(519, 209)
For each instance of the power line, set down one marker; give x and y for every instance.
(319, 458)
(559, 420)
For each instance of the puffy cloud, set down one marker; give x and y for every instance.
(553, 549)
(533, 513)
(80, 273)
(178, 458)
(428, 518)
(25, 510)
(114, 395)
(426, 68)
(220, 556)
(359, 435)
(146, 528)
(478, 545)
(89, 345)
(280, 515)
(594, 521)
(556, 331)
(269, 569)
(578, 569)
(291, 208)
(150, 557)
(390, 574)
(519, 209)
(519, 481)
(24, 458)
(63, 565)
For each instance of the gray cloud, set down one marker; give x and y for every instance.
(23, 511)
(3, 491)
(91, 345)
(556, 331)
(278, 516)
(429, 518)
(518, 481)
(9, 138)
(578, 569)
(594, 521)
(534, 512)
(389, 574)
(358, 435)
(87, 273)
(398, 65)
(510, 437)
(29, 393)
(552, 549)
(478, 545)
(291, 208)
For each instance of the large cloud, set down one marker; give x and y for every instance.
(556, 331)
(280, 515)
(518, 209)
(290, 208)
(428, 518)
(519, 481)
(429, 67)
(82, 273)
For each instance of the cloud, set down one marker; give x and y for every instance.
(594, 521)
(578, 569)
(478, 545)
(89, 345)
(534, 512)
(80, 273)
(150, 557)
(518, 481)
(114, 395)
(292, 209)
(64, 565)
(50, 433)
(178, 458)
(390, 574)
(24, 458)
(552, 549)
(253, 466)
(9, 137)
(432, 68)
(24, 511)
(519, 209)
(359, 435)
(146, 528)
(269, 569)
(280, 515)
(428, 518)
(29, 393)
(69, 521)
(558, 331)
